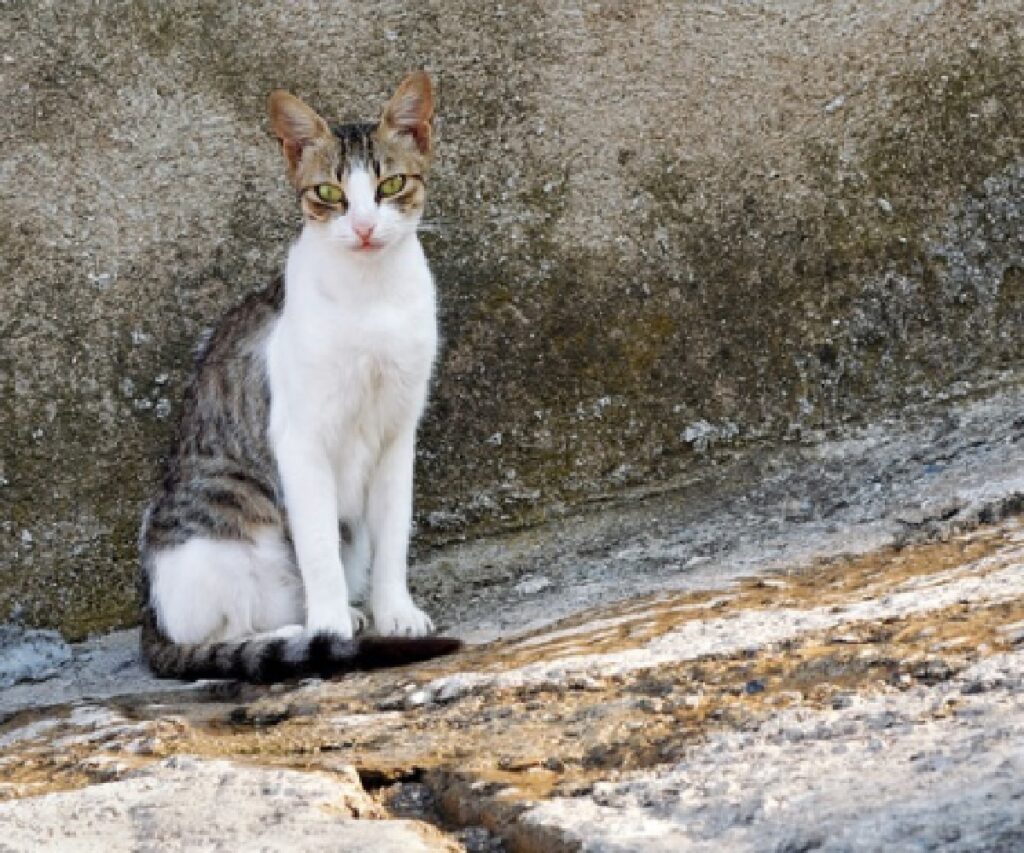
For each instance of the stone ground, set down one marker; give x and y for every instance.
(822, 649)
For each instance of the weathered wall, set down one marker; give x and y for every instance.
(657, 226)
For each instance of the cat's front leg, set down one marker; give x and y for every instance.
(389, 518)
(311, 502)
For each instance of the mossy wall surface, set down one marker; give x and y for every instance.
(655, 227)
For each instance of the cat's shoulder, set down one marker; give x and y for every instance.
(244, 324)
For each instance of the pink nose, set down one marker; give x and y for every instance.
(363, 232)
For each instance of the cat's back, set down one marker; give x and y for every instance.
(229, 381)
(219, 478)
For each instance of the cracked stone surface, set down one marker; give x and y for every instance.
(938, 767)
(188, 804)
(678, 673)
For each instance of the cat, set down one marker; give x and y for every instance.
(290, 484)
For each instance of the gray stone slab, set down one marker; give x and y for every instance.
(187, 804)
(888, 772)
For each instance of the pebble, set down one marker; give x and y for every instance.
(582, 682)
(394, 702)
(418, 698)
(103, 769)
(835, 104)
(933, 671)
(144, 746)
(263, 716)
(477, 839)
(303, 709)
(451, 690)
(842, 700)
(1014, 633)
(845, 639)
(532, 585)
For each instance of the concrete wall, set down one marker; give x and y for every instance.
(658, 229)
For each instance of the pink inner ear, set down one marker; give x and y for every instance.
(293, 149)
(409, 112)
(421, 135)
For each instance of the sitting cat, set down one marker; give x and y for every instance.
(290, 485)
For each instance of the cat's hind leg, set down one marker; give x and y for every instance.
(211, 590)
(356, 557)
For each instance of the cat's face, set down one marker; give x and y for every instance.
(363, 184)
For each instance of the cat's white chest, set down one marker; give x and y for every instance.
(349, 367)
(375, 378)
(377, 392)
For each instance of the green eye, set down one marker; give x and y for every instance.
(391, 186)
(329, 193)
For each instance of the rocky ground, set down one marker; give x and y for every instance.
(824, 650)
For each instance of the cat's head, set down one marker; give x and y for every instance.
(363, 184)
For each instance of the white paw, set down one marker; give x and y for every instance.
(401, 618)
(359, 619)
(337, 622)
(286, 632)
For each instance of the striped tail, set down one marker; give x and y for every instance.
(264, 660)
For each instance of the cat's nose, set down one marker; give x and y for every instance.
(363, 232)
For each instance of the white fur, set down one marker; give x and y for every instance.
(207, 590)
(349, 362)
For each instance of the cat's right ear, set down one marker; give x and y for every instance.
(295, 125)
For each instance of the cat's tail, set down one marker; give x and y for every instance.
(265, 660)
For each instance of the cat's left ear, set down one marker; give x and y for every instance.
(410, 111)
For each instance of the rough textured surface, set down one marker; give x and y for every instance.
(928, 767)
(187, 805)
(931, 471)
(656, 229)
(30, 655)
(844, 677)
(889, 716)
